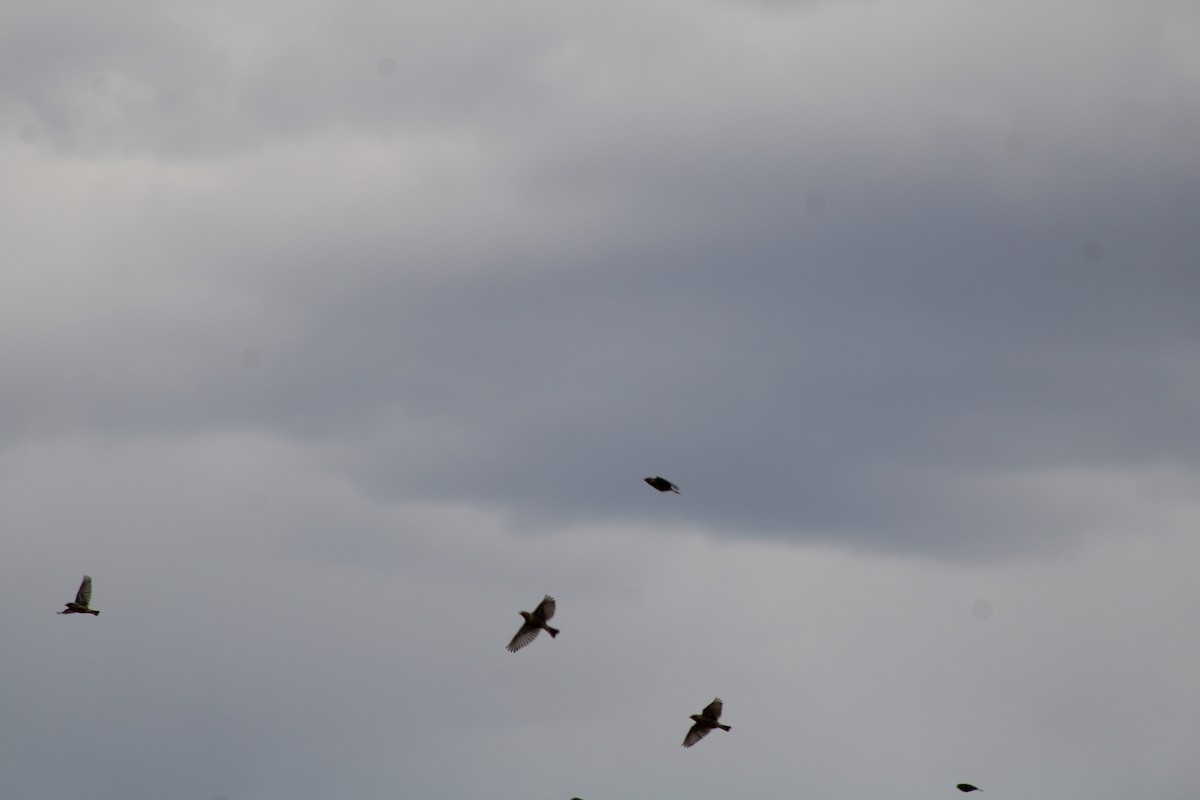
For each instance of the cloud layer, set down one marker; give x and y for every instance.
(335, 334)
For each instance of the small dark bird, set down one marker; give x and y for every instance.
(534, 623)
(82, 598)
(966, 787)
(662, 484)
(705, 721)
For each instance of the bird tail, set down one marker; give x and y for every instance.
(93, 612)
(675, 489)
(552, 631)
(725, 727)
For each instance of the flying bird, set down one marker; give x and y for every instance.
(662, 484)
(705, 721)
(534, 623)
(966, 787)
(82, 598)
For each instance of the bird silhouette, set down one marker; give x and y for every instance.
(705, 721)
(82, 598)
(966, 787)
(662, 484)
(534, 623)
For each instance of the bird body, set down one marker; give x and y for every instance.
(82, 598)
(705, 721)
(535, 623)
(966, 787)
(662, 484)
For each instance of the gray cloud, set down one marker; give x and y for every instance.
(334, 336)
(798, 381)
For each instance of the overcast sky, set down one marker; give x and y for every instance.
(334, 334)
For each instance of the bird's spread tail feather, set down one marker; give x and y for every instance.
(725, 727)
(552, 631)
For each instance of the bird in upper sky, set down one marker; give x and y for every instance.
(966, 787)
(82, 598)
(662, 484)
(705, 721)
(534, 623)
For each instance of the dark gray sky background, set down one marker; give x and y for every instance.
(335, 334)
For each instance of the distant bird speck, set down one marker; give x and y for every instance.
(966, 787)
(82, 598)
(534, 623)
(705, 721)
(662, 484)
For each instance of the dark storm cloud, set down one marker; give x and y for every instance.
(820, 382)
(799, 397)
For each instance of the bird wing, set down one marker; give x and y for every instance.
(84, 595)
(698, 732)
(713, 710)
(524, 636)
(545, 610)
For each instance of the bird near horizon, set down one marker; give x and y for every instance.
(662, 484)
(535, 622)
(82, 598)
(966, 787)
(705, 721)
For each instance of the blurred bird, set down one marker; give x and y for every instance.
(534, 623)
(662, 484)
(966, 787)
(705, 721)
(82, 598)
